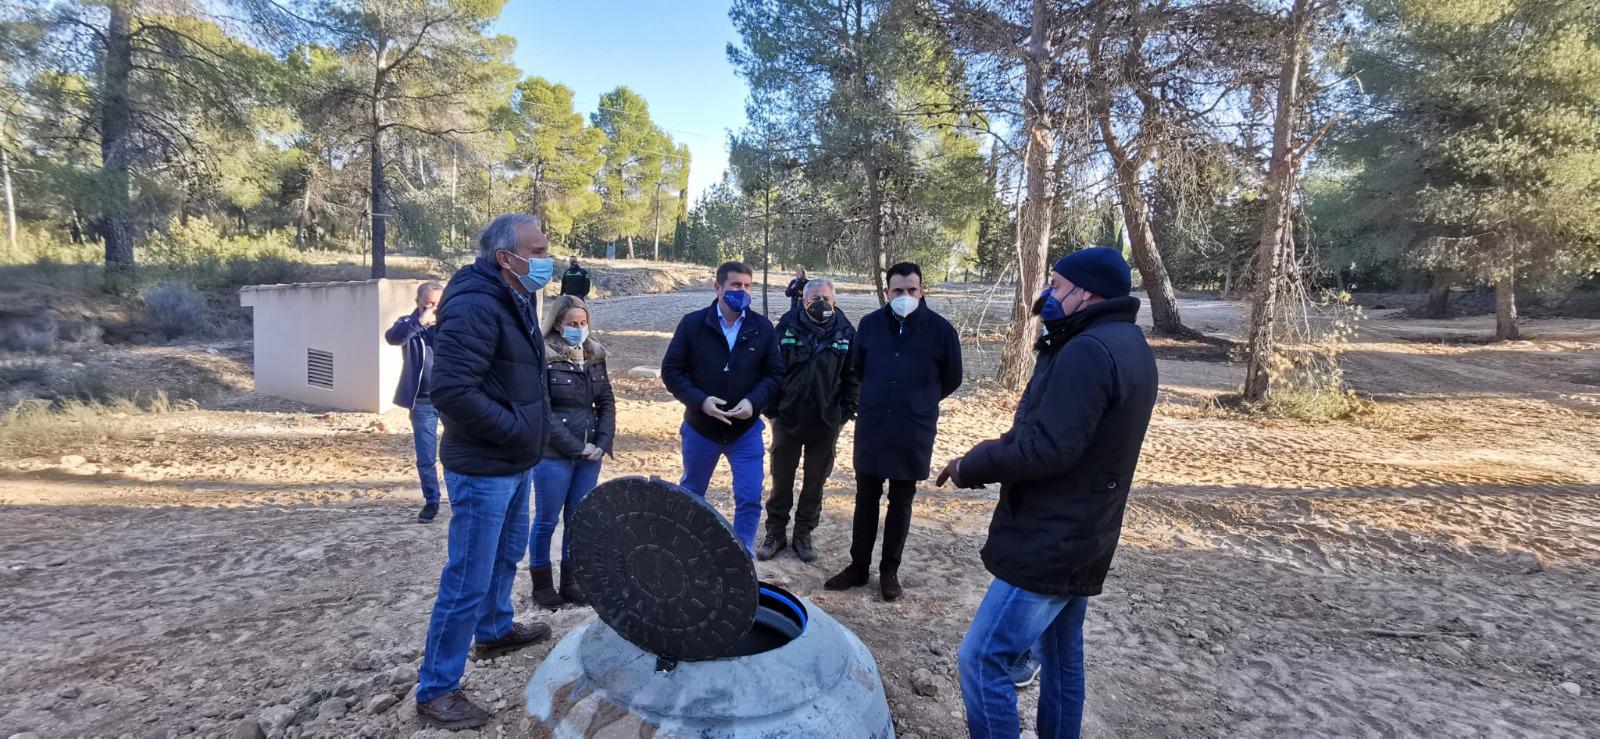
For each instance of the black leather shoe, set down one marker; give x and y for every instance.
(428, 512)
(452, 711)
(889, 583)
(518, 637)
(770, 548)
(802, 548)
(849, 577)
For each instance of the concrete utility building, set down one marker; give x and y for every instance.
(322, 342)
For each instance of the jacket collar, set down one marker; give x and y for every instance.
(1061, 331)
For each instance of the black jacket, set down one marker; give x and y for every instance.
(488, 379)
(582, 407)
(1067, 462)
(795, 292)
(417, 340)
(906, 368)
(575, 281)
(820, 389)
(698, 364)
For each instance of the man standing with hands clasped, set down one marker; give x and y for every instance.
(1064, 470)
(723, 365)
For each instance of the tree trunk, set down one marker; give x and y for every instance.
(630, 246)
(880, 277)
(455, 177)
(656, 249)
(116, 144)
(379, 223)
(766, 248)
(1033, 216)
(1505, 304)
(1272, 252)
(5, 183)
(1152, 270)
(1438, 305)
(1227, 282)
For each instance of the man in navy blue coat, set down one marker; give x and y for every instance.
(1064, 470)
(414, 332)
(908, 358)
(723, 365)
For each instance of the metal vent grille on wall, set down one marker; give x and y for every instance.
(319, 368)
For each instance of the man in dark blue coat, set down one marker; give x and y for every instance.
(1064, 470)
(908, 359)
(723, 365)
(488, 383)
(414, 332)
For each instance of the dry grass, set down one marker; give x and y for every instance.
(41, 427)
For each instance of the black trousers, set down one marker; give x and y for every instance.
(864, 533)
(787, 449)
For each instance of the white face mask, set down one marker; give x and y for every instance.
(903, 305)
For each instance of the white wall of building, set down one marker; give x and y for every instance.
(346, 319)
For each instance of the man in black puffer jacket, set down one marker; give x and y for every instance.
(1064, 470)
(818, 394)
(723, 365)
(488, 382)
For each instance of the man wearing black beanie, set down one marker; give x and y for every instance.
(1064, 470)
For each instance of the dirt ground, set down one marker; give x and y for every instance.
(1427, 569)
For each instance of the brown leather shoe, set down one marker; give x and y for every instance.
(849, 577)
(452, 711)
(889, 583)
(518, 637)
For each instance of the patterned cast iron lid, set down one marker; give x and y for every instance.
(663, 568)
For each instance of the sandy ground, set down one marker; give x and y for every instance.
(1426, 569)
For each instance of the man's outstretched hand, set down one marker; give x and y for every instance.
(952, 472)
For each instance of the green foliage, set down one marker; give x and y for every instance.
(557, 153)
(175, 309)
(1482, 153)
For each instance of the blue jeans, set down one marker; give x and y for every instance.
(1009, 622)
(488, 529)
(746, 459)
(425, 434)
(558, 485)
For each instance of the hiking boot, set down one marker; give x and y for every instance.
(518, 637)
(889, 583)
(570, 592)
(1025, 671)
(452, 711)
(774, 543)
(544, 591)
(850, 577)
(802, 548)
(427, 514)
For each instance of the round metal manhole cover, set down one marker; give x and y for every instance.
(661, 567)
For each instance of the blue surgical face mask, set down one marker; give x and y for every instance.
(574, 334)
(538, 273)
(903, 305)
(738, 300)
(1051, 309)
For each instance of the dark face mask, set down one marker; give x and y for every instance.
(820, 311)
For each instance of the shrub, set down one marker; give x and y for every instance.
(175, 309)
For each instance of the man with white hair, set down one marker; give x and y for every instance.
(488, 382)
(817, 396)
(414, 332)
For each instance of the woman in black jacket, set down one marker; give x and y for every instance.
(583, 423)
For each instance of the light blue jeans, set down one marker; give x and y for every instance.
(558, 485)
(488, 529)
(1009, 622)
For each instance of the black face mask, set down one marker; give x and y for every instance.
(820, 311)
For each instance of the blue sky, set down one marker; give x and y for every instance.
(673, 52)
